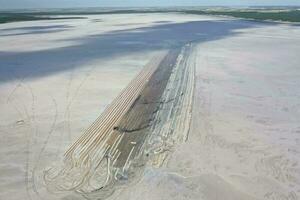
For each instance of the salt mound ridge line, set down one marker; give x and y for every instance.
(140, 126)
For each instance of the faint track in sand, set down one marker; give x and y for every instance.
(24, 115)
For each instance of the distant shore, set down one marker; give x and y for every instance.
(278, 14)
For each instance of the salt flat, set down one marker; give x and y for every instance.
(57, 76)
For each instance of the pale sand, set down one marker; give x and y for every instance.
(245, 133)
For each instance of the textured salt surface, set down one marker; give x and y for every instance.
(244, 137)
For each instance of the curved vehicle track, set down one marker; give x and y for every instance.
(140, 126)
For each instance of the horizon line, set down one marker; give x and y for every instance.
(140, 7)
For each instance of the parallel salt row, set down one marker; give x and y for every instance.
(115, 110)
(150, 115)
(174, 116)
(89, 150)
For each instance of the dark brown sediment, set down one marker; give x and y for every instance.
(138, 118)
